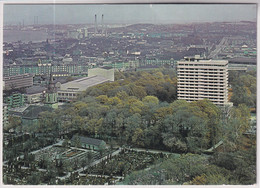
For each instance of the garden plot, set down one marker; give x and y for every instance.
(71, 155)
(50, 153)
(125, 163)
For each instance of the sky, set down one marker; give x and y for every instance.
(143, 13)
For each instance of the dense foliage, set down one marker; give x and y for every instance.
(192, 169)
(127, 112)
(243, 87)
(140, 109)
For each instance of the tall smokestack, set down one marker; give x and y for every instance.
(102, 22)
(95, 25)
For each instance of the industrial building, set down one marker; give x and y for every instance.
(70, 90)
(203, 79)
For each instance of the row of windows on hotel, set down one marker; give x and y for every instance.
(208, 81)
(204, 90)
(195, 77)
(201, 69)
(209, 95)
(216, 102)
(204, 97)
(196, 73)
(202, 86)
(201, 81)
(202, 65)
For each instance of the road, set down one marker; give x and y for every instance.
(223, 43)
(152, 151)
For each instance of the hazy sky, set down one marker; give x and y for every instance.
(174, 13)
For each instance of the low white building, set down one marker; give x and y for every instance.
(69, 91)
(105, 71)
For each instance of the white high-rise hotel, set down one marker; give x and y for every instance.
(203, 79)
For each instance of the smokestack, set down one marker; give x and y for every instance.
(95, 25)
(102, 22)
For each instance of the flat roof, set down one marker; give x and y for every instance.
(210, 62)
(82, 83)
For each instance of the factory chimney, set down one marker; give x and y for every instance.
(95, 25)
(102, 22)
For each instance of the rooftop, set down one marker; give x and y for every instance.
(83, 83)
(35, 89)
(87, 140)
(33, 111)
(205, 61)
(18, 77)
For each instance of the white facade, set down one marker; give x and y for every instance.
(70, 90)
(203, 79)
(102, 71)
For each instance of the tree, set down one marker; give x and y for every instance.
(243, 89)
(150, 101)
(76, 142)
(235, 127)
(132, 123)
(13, 123)
(211, 115)
(138, 137)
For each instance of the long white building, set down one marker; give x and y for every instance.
(203, 79)
(70, 90)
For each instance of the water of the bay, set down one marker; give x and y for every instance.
(24, 36)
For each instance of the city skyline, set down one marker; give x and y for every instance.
(132, 13)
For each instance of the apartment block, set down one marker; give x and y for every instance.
(203, 79)
(18, 81)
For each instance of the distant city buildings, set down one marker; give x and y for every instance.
(45, 69)
(203, 79)
(78, 51)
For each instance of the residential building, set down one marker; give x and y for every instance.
(15, 100)
(203, 79)
(18, 81)
(5, 115)
(46, 68)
